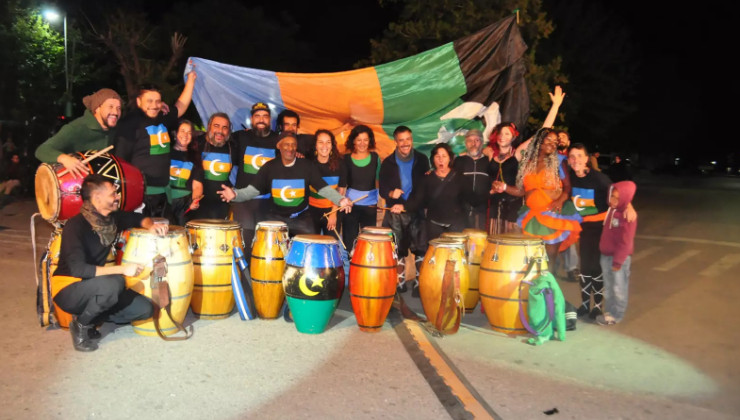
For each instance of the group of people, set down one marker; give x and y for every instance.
(260, 174)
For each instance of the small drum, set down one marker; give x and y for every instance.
(372, 280)
(313, 281)
(476, 245)
(142, 247)
(502, 269)
(58, 197)
(49, 264)
(267, 266)
(212, 242)
(431, 277)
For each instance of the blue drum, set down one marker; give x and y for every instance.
(313, 281)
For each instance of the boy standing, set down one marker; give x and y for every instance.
(616, 246)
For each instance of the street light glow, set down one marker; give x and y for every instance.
(51, 15)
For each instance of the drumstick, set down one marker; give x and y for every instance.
(388, 208)
(340, 238)
(88, 159)
(353, 202)
(194, 201)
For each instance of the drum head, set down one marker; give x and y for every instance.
(458, 236)
(475, 233)
(446, 243)
(213, 224)
(173, 232)
(372, 237)
(48, 197)
(315, 239)
(377, 230)
(272, 224)
(515, 239)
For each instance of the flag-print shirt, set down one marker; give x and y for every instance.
(182, 173)
(253, 152)
(216, 164)
(288, 186)
(335, 179)
(145, 143)
(590, 195)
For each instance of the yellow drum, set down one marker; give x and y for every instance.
(212, 242)
(141, 248)
(266, 267)
(49, 264)
(502, 268)
(430, 283)
(476, 245)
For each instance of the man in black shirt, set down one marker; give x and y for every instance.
(142, 138)
(286, 181)
(86, 241)
(474, 168)
(218, 156)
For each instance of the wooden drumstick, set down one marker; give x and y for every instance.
(388, 208)
(88, 159)
(353, 202)
(340, 238)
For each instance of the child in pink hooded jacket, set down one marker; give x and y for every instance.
(616, 246)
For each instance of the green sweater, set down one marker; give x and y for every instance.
(80, 135)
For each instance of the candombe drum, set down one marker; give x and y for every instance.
(502, 268)
(372, 280)
(49, 264)
(476, 245)
(313, 281)
(267, 266)
(434, 299)
(141, 249)
(58, 196)
(212, 242)
(472, 297)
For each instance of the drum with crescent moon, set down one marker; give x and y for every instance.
(434, 298)
(502, 268)
(269, 247)
(212, 243)
(372, 280)
(141, 248)
(58, 193)
(313, 281)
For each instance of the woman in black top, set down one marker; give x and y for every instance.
(331, 167)
(504, 166)
(361, 166)
(185, 189)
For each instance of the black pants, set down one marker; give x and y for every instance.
(156, 205)
(352, 222)
(104, 298)
(591, 279)
(179, 206)
(434, 230)
(248, 213)
(319, 222)
(476, 218)
(299, 225)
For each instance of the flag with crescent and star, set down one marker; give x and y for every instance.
(440, 93)
(288, 192)
(216, 166)
(159, 139)
(255, 157)
(583, 200)
(180, 173)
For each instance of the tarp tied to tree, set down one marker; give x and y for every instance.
(474, 82)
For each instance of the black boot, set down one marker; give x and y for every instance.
(80, 336)
(93, 333)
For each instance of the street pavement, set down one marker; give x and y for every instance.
(674, 355)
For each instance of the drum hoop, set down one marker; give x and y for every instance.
(375, 237)
(315, 239)
(50, 169)
(216, 224)
(447, 243)
(515, 240)
(174, 231)
(272, 224)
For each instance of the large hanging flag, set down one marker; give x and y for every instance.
(473, 82)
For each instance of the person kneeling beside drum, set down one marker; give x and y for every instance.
(101, 294)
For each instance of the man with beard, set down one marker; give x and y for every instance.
(217, 157)
(286, 181)
(92, 131)
(474, 167)
(143, 139)
(399, 173)
(254, 148)
(94, 292)
(288, 120)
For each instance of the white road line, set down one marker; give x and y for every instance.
(643, 253)
(721, 265)
(674, 262)
(690, 240)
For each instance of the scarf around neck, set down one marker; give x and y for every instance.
(103, 226)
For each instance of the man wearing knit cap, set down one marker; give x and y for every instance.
(92, 131)
(474, 167)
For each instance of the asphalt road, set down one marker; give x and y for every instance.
(674, 356)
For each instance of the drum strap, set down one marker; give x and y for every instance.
(451, 301)
(161, 299)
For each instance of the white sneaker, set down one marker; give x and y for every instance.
(606, 319)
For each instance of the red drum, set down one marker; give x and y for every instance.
(372, 280)
(58, 197)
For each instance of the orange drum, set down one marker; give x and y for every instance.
(431, 278)
(212, 242)
(502, 268)
(51, 260)
(266, 267)
(58, 196)
(372, 280)
(476, 244)
(141, 249)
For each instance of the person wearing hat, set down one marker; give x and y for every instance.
(143, 139)
(255, 147)
(473, 166)
(92, 131)
(287, 181)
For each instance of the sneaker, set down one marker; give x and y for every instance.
(574, 275)
(415, 290)
(582, 311)
(594, 313)
(606, 320)
(402, 288)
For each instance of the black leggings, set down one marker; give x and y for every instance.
(352, 222)
(591, 280)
